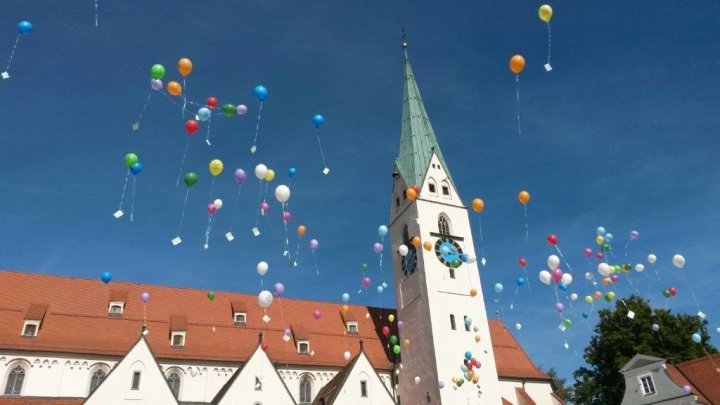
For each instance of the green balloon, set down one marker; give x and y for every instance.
(229, 110)
(364, 267)
(211, 295)
(626, 267)
(393, 339)
(130, 159)
(396, 349)
(666, 293)
(567, 322)
(456, 263)
(157, 71)
(190, 179)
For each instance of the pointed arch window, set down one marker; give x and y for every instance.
(15, 381)
(305, 391)
(443, 225)
(445, 186)
(452, 321)
(432, 186)
(97, 378)
(173, 380)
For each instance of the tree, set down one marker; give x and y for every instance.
(618, 338)
(560, 387)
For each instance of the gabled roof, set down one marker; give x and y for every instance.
(510, 359)
(527, 399)
(704, 376)
(417, 138)
(678, 378)
(640, 360)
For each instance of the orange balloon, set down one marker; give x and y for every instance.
(174, 88)
(606, 281)
(517, 64)
(185, 66)
(473, 292)
(427, 246)
(411, 194)
(407, 342)
(478, 204)
(345, 309)
(598, 295)
(416, 241)
(301, 230)
(477, 338)
(524, 197)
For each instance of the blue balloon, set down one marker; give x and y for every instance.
(380, 289)
(106, 277)
(318, 120)
(586, 315)
(468, 321)
(696, 338)
(468, 355)
(520, 281)
(346, 297)
(498, 288)
(24, 27)
(600, 231)
(464, 257)
(608, 237)
(292, 172)
(204, 114)
(136, 168)
(260, 92)
(562, 287)
(382, 230)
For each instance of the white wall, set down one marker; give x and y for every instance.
(538, 391)
(242, 390)
(350, 392)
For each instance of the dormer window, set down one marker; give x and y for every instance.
(30, 328)
(178, 339)
(240, 318)
(303, 347)
(352, 327)
(116, 308)
(647, 384)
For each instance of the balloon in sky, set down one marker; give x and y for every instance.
(190, 179)
(498, 288)
(136, 168)
(265, 298)
(318, 120)
(292, 172)
(282, 193)
(156, 84)
(545, 277)
(382, 230)
(314, 244)
(228, 110)
(106, 277)
(552, 239)
(262, 268)
(696, 338)
(184, 67)
(204, 114)
(478, 205)
(24, 27)
(131, 159)
(634, 235)
(240, 176)
(279, 289)
(191, 126)
(260, 171)
(260, 92)
(211, 295)
(174, 88)
(545, 13)
(345, 297)
(678, 261)
(157, 71)
(145, 297)
(517, 64)
(241, 109)
(553, 261)
(651, 258)
(211, 102)
(216, 167)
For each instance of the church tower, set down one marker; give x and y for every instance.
(440, 315)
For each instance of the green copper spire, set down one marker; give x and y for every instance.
(417, 138)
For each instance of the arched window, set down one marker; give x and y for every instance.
(452, 321)
(432, 186)
(97, 378)
(406, 234)
(15, 381)
(305, 391)
(443, 225)
(467, 324)
(174, 382)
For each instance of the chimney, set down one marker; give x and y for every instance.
(361, 345)
(260, 338)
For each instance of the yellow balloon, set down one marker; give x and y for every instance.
(599, 240)
(411, 194)
(270, 175)
(427, 246)
(478, 204)
(588, 299)
(407, 342)
(416, 241)
(301, 230)
(216, 167)
(345, 309)
(471, 374)
(477, 338)
(391, 317)
(545, 13)
(473, 292)
(185, 67)
(174, 88)
(524, 197)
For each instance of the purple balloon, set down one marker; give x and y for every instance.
(314, 244)
(655, 327)
(240, 176)
(687, 389)
(400, 324)
(559, 306)
(241, 109)
(441, 384)
(156, 84)
(377, 247)
(288, 332)
(279, 289)
(145, 297)
(634, 235)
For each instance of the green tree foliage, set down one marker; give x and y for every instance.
(618, 338)
(560, 387)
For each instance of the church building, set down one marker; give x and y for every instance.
(67, 340)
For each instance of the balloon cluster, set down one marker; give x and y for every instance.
(470, 364)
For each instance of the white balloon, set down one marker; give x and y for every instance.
(265, 298)
(260, 171)
(573, 297)
(553, 262)
(545, 277)
(282, 193)
(589, 276)
(518, 326)
(679, 261)
(604, 269)
(566, 279)
(471, 258)
(347, 356)
(403, 250)
(417, 380)
(639, 268)
(262, 268)
(218, 203)
(652, 258)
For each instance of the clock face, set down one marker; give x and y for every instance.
(448, 252)
(410, 260)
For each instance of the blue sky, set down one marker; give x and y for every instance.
(621, 134)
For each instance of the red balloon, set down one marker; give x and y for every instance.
(673, 291)
(211, 102)
(264, 346)
(416, 188)
(191, 126)
(552, 239)
(522, 262)
(385, 331)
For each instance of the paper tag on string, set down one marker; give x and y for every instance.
(483, 261)
(285, 253)
(229, 236)
(256, 231)
(5, 75)
(326, 171)
(384, 284)
(548, 67)
(176, 241)
(118, 214)
(562, 327)
(136, 126)
(206, 246)
(266, 319)
(631, 315)
(253, 149)
(701, 315)
(567, 346)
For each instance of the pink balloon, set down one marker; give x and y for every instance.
(286, 216)
(317, 314)
(614, 278)
(264, 207)
(377, 247)
(587, 252)
(211, 208)
(599, 255)
(366, 282)
(241, 109)
(557, 275)
(634, 235)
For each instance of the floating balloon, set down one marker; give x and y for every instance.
(588, 299)
(270, 175)
(265, 298)
(228, 110)
(517, 64)
(600, 231)
(174, 88)
(545, 13)
(184, 66)
(471, 258)
(559, 306)
(216, 167)
(391, 318)
(131, 159)
(260, 92)
(279, 289)
(156, 85)
(651, 258)
(411, 194)
(655, 327)
(553, 262)
(145, 297)
(380, 289)
(428, 246)
(520, 281)
(478, 205)
(403, 250)
(211, 102)
(204, 114)
(157, 71)
(136, 168)
(634, 235)
(211, 295)
(318, 120)
(604, 269)
(282, 193)
(314, 244)
(585, 314)
(545, 277)
(608, 237)
(473, 292)
(415, 241)
(211, 209)
(524, 197)
(241, 109)
(687, 389)
(378, 247)
(498, 288)
(106, 277)
(317, 314)
(301, 230)
(587, 252)
(552, 239)
(191, 126)
(518, 326)
(240, 176)
(262, 268)
(522, 262)
(260, 171)
(347, 356)
(345, 297)
(566, 279)
(382, 231)
(639, 268)
(417, 380)
(599, 240)
(678, 261)
(556, 275)
(696, 338)
(190, 179)
(573, 297)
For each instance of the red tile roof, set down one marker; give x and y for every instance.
(526, 398)
(702, 374)
(36, 312)
(680, 380)
(77, 321)
(505, 401)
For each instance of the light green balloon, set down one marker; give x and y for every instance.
(157, 71)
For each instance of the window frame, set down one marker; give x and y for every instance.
(467, 327)
(15, 390)
(651, 384)
(453, 325)
(258, 384)
(236, 315)
(301, 343)
(351, 324)
(114, 304)
(305, 379)
(30, 323)
(135, 383)
(178, 379)
(363, 389)
(94, 375)
(180, 334)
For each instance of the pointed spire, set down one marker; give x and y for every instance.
(417, 138)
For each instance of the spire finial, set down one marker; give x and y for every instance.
(404, 43)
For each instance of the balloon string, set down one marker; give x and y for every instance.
(169, 97)
(212, 186)
(549, 42)
(96, 13)
(184, 91)
(142, 111)
(208, 230)
(122, 196)
(482, 248)
(566, 262)
(144, 315)
(285, 223)
(527, 280)
(182, 163)
(207, 135)
(527, 234)
(132, 201)
(259, 205)
(317, 271)
(322, 155)
(692, 293)
(182, 215)
(517, 97)
(237, 202)
(257, 127)
(297, 252)
(12, 53)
